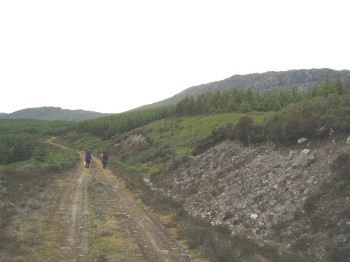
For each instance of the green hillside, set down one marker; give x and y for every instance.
(52, 114)
(171, 139)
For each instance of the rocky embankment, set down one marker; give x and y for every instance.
(268, 192)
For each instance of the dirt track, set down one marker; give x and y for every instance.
(97, 219)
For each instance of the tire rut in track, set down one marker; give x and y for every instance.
(98, 219)
(153, 240)
(74, 218)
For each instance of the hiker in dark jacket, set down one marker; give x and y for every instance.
(104, 158)
(88, 157)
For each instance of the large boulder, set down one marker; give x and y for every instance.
(254, 216)
(306, 157)
(302, 140)
(135, 141)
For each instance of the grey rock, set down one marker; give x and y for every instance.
(270, 176)
(292, 154)
(306, 157)
(254, 216)
(302, 140)
(347, 200)
(348, 140)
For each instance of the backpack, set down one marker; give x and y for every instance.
(104, 156)
(88, 155)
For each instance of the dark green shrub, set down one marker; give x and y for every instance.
(313, 117)
(317, 222)
(228, 215)
(341, 165)
(273, 129)
(243, 128)
(309, 126)
(280, 225)
(175, 164)
(301, 244)
(310, 204)
(338, 254)
(291, 131)
(192, 190)
(218, 134)
(247, 131)
(257, 133)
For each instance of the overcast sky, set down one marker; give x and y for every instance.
(113, 56)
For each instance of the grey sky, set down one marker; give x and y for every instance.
(112, 56)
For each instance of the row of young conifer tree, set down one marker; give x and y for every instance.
(248, 100)
(21, 139)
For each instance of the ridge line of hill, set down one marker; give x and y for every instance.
(51, 113)
(300, 79)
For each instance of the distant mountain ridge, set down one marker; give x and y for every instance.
(302, 79)
(52, 113)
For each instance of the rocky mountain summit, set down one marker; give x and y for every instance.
(301, 79)
(271, 193)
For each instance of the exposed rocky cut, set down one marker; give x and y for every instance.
(270, 193)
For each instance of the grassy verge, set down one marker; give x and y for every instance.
(26, 190)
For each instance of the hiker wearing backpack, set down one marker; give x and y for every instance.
(88, 157)
(104, 158)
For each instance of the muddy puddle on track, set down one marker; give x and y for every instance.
(99, 220)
